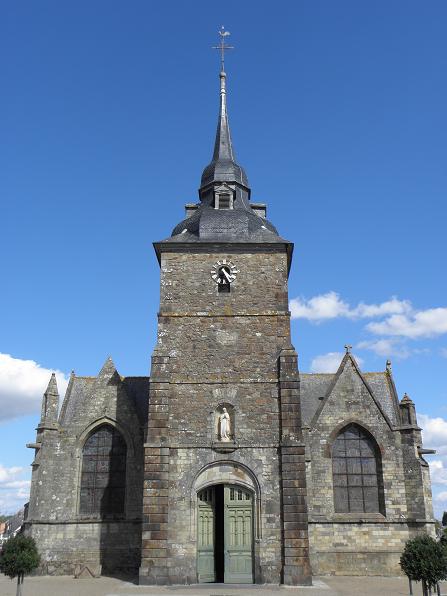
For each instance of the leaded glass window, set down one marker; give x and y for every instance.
(103, 476)
(357, 472)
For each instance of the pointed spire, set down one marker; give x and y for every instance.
(223, 148)
(223, 167)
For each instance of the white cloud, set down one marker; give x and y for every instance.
(438, 472)
(392, 306)
(399, 320)
(22, 384)
(319, 308)
(441, 498)
(434, 434)
(12, 501)
(385, 348)
(329, 363)
(425, 323)
(331, 306)
(25, 484)
(8, 474)
(14, 489)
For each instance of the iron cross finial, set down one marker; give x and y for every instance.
(348, 348)
(223, 46)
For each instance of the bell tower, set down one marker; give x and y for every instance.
(224, 482)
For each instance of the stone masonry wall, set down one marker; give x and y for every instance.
(356, 543)
(357, 548)
(101, 547)
(213, 349)
(185, 467)
(64, 537)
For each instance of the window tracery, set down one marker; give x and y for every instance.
(103, 475)
(357, 472)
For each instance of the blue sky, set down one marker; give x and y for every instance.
(108, 114)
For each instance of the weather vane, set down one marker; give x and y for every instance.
(223, 46)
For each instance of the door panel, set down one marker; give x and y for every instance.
(238, 513)
(238, 535)
(205, 536)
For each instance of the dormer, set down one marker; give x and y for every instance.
(260, 209)
(223, 197)
(190, 209)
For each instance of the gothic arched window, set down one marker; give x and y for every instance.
(357, 472)
(103, 476)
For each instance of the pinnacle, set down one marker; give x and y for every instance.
(108, 368)
(52, 385)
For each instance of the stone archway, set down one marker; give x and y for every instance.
(226, 505)
(226, 472)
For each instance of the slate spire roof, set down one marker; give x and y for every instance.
(223, 149)
(241, 221)
(223, 167)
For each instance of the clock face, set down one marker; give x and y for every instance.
(224, 272)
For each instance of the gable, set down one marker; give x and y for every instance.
(88, 397)
(346, 393)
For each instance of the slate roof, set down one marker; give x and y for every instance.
(380, 383)
(77, 389)
(240, 224)
(223, 166)
(314, 386)
(80, 387)
(15, 522)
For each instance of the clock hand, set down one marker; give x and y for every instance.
(224, 271)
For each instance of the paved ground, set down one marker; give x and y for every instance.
(104, 586)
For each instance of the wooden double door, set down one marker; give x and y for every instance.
(225, 535)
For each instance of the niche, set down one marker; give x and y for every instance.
(224, 423)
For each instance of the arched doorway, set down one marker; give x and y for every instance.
(225, 528)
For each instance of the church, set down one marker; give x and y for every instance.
(228, 464)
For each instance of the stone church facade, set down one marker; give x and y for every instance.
(227, 464)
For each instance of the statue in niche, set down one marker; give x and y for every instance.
(225, 425)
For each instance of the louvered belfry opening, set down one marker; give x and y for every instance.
(224, 201)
